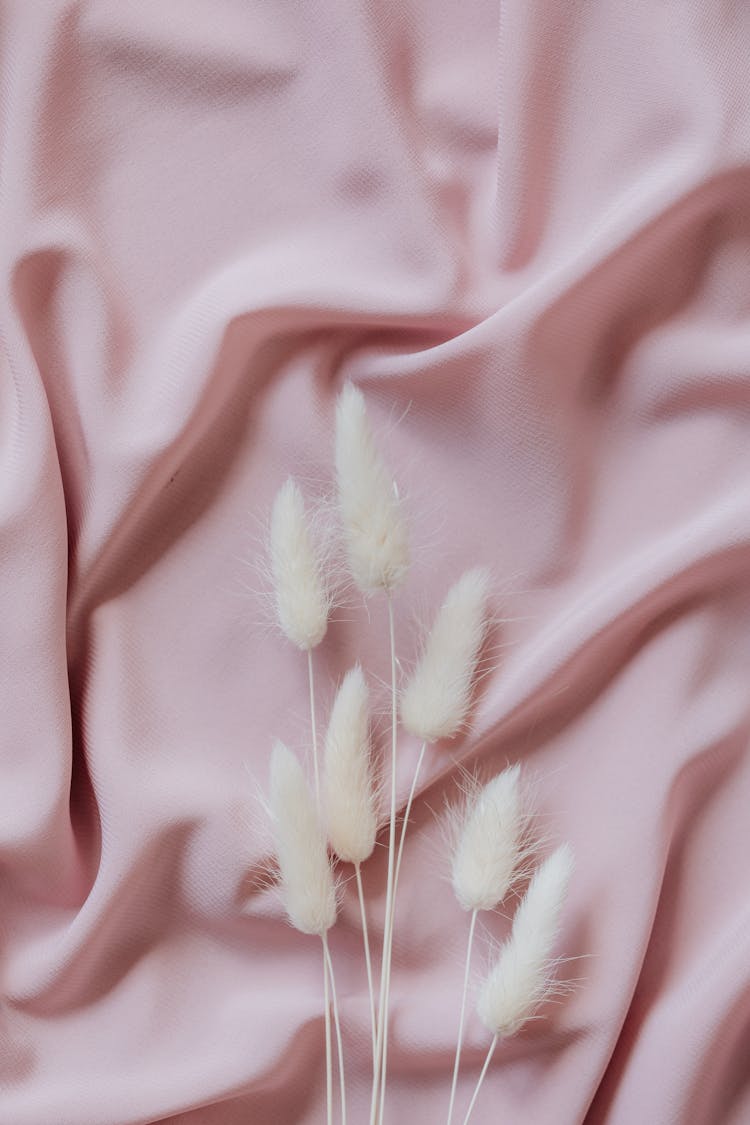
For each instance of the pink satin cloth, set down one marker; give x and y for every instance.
(523, 228)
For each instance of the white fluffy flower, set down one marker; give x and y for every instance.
(435, 702)
(348, 783)
(306, 875)
(489, 843)
(301, 598)
(521, 977)
(374, 527)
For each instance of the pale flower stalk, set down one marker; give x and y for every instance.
(302, 598)
(307, 884)
(488, 850)
(377, 548)
(435, 704)
(350, 797)
(522, 976)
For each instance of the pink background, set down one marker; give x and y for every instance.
(524, 229)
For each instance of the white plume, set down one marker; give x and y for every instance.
(348, 781)
(489, 843)
(435, 702)
(521, 977)
(374, 527)
(306, 875)
(301, 599)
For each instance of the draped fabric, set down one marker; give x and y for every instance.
(523, 229)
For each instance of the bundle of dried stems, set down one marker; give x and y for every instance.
(339, 822)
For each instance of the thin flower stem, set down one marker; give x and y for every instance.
(368, 960)
(337, 1025)
(480, 1080)
(314, 725)
(381, 1052)
(388, 937)
(327, 971)
(464, 994)
(407, 811)
(329, 1052)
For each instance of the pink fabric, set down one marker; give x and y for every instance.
(524, 229)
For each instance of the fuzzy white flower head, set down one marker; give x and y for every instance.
(521, 977)
(435, 702)
(306, 876)
(489, 844)
(371, 512)
(348, 782)
(302, 602)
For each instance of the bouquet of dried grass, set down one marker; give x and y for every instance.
(339, 823)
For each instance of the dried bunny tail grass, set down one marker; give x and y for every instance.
(374, 526)
(348, 785)
(521, 979)
(452, 818)
(306, 875)
(302, 601)
(490, 843)
(435, 702)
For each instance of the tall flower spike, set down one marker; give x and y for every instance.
(348, 782)
(350, 799)
(489, 844)
(486, 856)
(301, 598)
(520, 978)
(435, 702)
(306, 876)
(374, 527)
